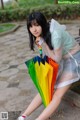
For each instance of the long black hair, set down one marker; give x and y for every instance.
(41, 20)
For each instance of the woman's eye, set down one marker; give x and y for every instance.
(36, 24)
(30, 27)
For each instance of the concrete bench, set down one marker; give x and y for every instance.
(78, 39)
(75, 87)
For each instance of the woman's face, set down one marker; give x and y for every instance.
(36, 30)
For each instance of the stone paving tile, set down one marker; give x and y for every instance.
(3, 67)
(9, 72)
(3, 84)
(13, 113)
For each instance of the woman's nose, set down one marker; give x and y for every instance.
(34, 28)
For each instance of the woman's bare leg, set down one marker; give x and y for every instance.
(36, 102)
(57, 97)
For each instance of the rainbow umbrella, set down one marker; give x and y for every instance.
(41, 71)
(55, 66)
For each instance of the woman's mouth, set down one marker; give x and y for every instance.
(36, 33)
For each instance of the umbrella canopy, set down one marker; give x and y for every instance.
(55, 66)
(43, 72)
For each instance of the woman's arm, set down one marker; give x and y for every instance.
(56, 54)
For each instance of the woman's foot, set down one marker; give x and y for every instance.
(21, 118)
(46, 119)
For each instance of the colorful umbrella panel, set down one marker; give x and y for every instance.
(43, 72)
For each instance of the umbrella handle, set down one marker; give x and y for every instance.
(40, 50)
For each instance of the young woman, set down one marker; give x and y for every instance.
(59, 45)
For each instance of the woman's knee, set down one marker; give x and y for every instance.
(60, 92)
(57, 96)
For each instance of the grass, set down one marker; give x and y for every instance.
(34, 3)
(6, 27)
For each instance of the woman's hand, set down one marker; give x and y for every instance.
(56, 55)
(37, 40)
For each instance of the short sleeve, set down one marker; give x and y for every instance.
(56, 39)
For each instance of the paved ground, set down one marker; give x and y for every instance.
(16, 88)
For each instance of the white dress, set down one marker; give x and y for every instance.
(69, 69)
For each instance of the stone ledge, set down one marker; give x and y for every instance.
(13, 115)
(73, 98)
(10, 31)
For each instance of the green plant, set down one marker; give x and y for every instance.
(62, 11)
(6, 27)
